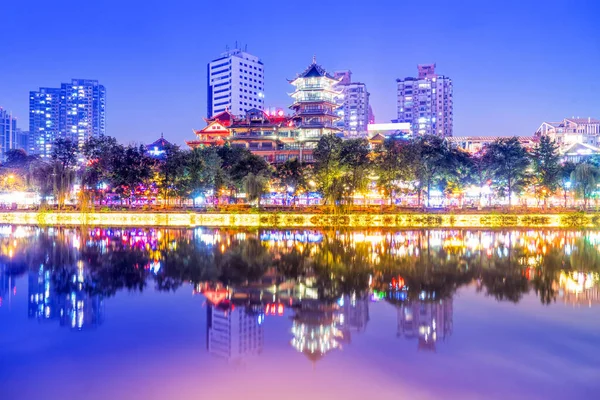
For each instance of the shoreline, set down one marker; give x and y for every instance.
(578, 220)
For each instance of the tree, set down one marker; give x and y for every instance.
(171, 176)
(565, 172)
(585, 178)
(195, 170)
(290, 175)
(255, 186)
(508, 161)
(64, 161)
(480, 173)
(101, 155)
(133, 169)
(328, 168)
(395, 165)
(546, 167)
(355, 164)
(237, 162)
(433, 160)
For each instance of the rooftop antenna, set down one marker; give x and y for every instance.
(236, 46)
(314, 58)
(246, 47)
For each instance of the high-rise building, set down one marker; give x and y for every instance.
(10, 135)
(74, 111)
(44, 111)
(82, 110)
(236, 83)
(427, 321)
(353, 105)
(234, 333)
(426, 102)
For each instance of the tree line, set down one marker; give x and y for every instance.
(342, 171)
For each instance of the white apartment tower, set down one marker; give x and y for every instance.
(234, 334)
(426, 102)
(235, 83)
(353, 108)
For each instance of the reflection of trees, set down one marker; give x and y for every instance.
(340, 268)
(436, 263)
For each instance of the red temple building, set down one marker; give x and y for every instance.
(273, 135)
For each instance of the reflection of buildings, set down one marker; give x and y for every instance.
(355, 312)
(234, 333)
(317, 329)
(426, 321)
(72, 305)
(578, 288)
(7, 285)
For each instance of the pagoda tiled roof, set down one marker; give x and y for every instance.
(224, 117)
(314, 70)
(161, 142)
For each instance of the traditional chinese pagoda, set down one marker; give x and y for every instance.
(314, 104)
(273, 135)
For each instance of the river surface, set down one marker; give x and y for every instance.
(303, 314)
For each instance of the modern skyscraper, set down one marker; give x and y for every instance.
(44, 117)
(353, 105)
(82, 110)
(234, 334)
(9, 133)
(426, 102)
(235, 83)
(76, 111)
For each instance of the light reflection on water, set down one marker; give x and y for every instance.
(435, 313)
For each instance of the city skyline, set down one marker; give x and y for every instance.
(505, 80)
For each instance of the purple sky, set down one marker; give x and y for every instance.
(513, 63)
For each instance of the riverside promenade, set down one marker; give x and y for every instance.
(299, 220)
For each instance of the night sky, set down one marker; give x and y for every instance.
(514, 64)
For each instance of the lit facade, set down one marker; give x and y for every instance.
(426, 321)
(475, 144)
(572, 130)
(317, 329)
(82, 110)
(314, 105)
(11, 137)
(75, 111)
(234, 333)
(426, 102)
(235, 83)
(44, 120)
(353, 105)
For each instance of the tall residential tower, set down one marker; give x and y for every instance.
(74, 111)
(11, 137)
(353, 105)
(235, 83)
(426, 102)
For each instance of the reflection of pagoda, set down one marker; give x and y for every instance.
(426, 321)
(234, 333)
(578, 288)
(73, 306)
(316, 329)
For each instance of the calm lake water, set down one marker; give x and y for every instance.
(276, 314)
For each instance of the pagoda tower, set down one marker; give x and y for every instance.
(314, 104)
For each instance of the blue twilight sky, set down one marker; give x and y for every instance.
(513, 63)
